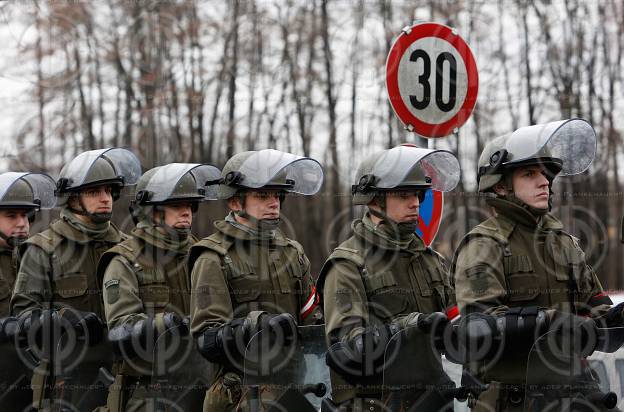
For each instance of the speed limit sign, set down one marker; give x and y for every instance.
(432, 79)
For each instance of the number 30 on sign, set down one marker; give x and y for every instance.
(432, 79)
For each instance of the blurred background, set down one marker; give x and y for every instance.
(197, 81)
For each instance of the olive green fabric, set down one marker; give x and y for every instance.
(518, 259)
(8, 272)
(143, 276)
(372, 278)
(58, 268)
(234, 272)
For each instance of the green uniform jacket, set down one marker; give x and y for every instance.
(234, 272)
(369, 280)
(142, 280)
(58, 268)
(8, 272)
(516, 260)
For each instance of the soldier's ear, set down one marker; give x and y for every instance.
(500, 189)
(234, 204)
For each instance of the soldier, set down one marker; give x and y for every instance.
(146, 284)
(519, 270)
(383, 278)
(248, 276)
(21, 196)
(57, 275)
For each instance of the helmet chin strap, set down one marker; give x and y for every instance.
(174, 232)
(511, 196)
(13, 241)
(260, 224)
(404, 229)
(97, 218)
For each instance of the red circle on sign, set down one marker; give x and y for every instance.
(404, 40)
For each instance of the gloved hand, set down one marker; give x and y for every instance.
(33, 321)
(176, 323)
(432, 323)
(362, 356)
(282, 326)
(86, 324)
(216, 344)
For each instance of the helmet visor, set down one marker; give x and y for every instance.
(263, 166)
(572, 141)
(125, 163)
(394, 165)
(41, 184)
(164, 182)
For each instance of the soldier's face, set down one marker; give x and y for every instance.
(402, 207)
(263, 204)
(530, 185)
(98, 199)
(14, 222)
(179, 215)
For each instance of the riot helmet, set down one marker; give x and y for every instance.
(268, 169)
(25, 191)
(565, 147)
(404, 167)
(173, 183)
(116, 167)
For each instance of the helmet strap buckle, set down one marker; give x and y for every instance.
(233, 178)
(365, 184)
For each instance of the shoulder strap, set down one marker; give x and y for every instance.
(130, 249)
(500, 231)
(341, 252)
(47, 240)
(216, 243)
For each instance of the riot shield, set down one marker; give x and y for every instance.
(180, 375)
(414, 378)
(82, 372)
(562, 377)
(290, 373)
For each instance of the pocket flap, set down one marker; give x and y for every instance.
(522, 287)
(377, 281)
(245, 289)
(155, 293)
(388, 303)
(71, 285)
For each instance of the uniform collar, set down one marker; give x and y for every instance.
(64, 229)
(522, 215)
(230, 230)
(383, 236)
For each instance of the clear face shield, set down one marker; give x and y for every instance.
(164, 185)
(301, 175)
(395, 165)
(41, 184)
(571, 141)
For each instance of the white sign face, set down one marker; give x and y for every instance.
(432, 80)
